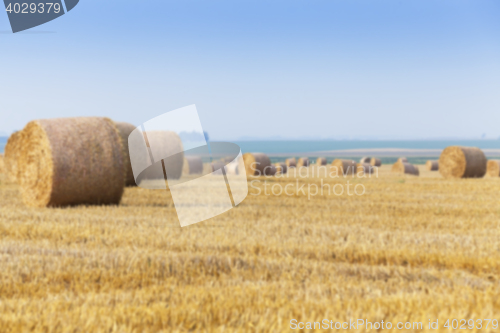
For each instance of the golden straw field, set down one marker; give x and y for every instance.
(409, 249)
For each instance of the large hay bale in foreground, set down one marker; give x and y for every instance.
(1, 164)
(164, 143)
(291, 162)
(192, 165)
(462, 162)
(364, 168)
(375, 162)
(365, 160)
(321, 161)
(125, 129)
(256, 164)
(405, 168)
(345, 167)
(493, 168)
(281, 168)
(303, 162)
(71, 161)
(432, 165)
(403, 160)
(12, 150)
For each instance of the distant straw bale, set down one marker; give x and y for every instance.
(192, 165)
(321, 161)
(403, 160)
(364, 168)
(365, 160)
(281, 168)
(493, 168)
(405, 168)
(164, 143)
(303, 162)
(345, 167)
(125, 129)
(71, 161)
(291, 162)
(256, 164)
(462, 162)
(432, 165)
(271, 170)
(375, 162)
(12, 150)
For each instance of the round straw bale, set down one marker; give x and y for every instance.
(405, 168)
(403, 160)
(192, 165)
(432, 165)
(2, 165)
(364, 168)
(12, 150)
(71, 161)
(270, 170)
(346, 167)
(462, 162)
(256, 163)
(365, 160)
(281, 168)
(169, 144)
(291, 162)
(493, 168)
(321, 161)
(303, 162)
(125, 129)
(375, 162)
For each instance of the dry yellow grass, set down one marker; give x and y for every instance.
(410, 249)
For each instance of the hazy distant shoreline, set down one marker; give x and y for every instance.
(383, 152)
(357, 148)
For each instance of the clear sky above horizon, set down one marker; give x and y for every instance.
(292, 69)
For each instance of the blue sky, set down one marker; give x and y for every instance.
(294, 69)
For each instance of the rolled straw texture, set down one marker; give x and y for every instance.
(303, 162)
(345, 167)
(376, 162)
(257, 164)
(493, 169)
(462, 162)
(432, 165)
(291, 162)
(71, 161)
(405, 168)
(192, 165)
(321, 161)
(281, 168)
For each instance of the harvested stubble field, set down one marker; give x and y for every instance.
(410, 249)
